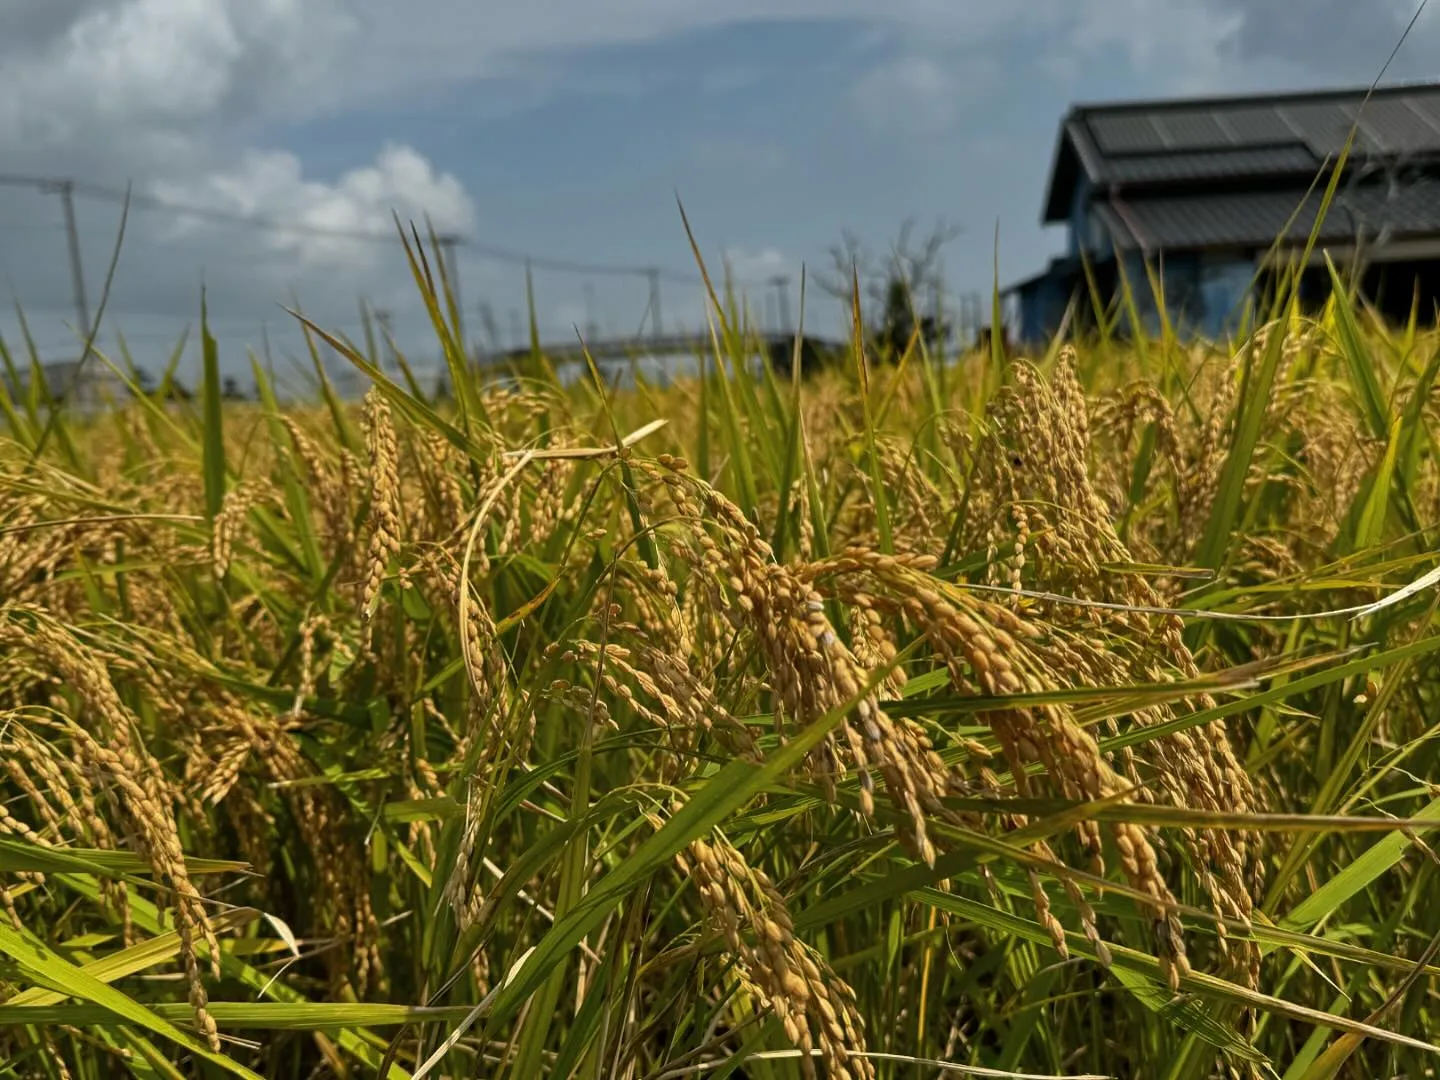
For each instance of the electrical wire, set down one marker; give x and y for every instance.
(262, 222)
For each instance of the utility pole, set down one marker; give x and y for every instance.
(655, 322)
(781, 284)
(65, 188)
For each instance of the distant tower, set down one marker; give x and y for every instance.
(781, 284)
(656, 324)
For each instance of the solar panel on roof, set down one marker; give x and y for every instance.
(1425, 106)
(1258, 125)
(1227, 163)
(1127, 134)
(1194, 131)
(1396, 128)
(1325, 124)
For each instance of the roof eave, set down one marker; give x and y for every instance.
(1119, 231)
(1073, 148)
(1208, 101)
(1052, 187)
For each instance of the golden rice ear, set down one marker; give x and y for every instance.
(462, 693)
(110, 750)
(815, 1006)
(384, 517)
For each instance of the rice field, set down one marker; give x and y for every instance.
(1067, 714)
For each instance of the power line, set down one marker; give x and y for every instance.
(67, 188)
(496, 252)
(225, 327)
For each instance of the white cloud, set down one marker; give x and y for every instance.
(155, 64)
(757, 266)
(146, 60)
(273, 184)
(158, 62)
(1333, 32)
(180, 61)
(179, 96)
(145, 67)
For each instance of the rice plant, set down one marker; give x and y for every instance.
(987, 715)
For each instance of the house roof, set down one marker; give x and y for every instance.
(1255, 219)
(1061, 266)
(1255, 137)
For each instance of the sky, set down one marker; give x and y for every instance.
(566, 129)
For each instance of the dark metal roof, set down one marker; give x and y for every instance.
(1237, 138)
(1227, 164)
(1254, 219)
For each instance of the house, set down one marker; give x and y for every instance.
(1201, 190)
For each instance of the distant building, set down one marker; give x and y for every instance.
(88, 387)
(1202, 188)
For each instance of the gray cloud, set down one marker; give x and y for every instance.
(1350, 38)
(176, 95)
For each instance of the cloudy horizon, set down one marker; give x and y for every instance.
(565, 131)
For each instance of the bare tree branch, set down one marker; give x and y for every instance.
(904, 290)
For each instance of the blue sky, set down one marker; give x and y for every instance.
(565, 129)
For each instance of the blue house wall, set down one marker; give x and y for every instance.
(1042, 299)
(1132, 265)
(1042, 306)
(1225, 284)
(1079, 223)
(1204, 291)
